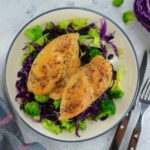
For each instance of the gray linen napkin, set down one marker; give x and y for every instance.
(11, 137)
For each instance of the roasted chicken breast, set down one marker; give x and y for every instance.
(85, 87)
(58, 60)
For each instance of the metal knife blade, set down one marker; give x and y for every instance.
(142, 72)
(119, 134)
(143, 67)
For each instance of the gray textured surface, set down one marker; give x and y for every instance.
(15, 13)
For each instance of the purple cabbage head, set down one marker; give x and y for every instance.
(142, 12)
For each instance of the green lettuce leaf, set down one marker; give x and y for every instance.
(51, 126)
(78, 23)
(95, 34)
(82, 125)
(42, 40)
(34, 33)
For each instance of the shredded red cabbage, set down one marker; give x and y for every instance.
(21, 84)
(38, 47)
(86, 56)
(48, 111)
(86, 29)
(71, 28)
(91, 111)
(82, 31)
(114, 75)
(103, 49)
(103, 28)
(114, 47)
(109, 37)
(106, 38)
(54, 32)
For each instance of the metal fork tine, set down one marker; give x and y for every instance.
(147, 92)
(145, 88)
(149, 96)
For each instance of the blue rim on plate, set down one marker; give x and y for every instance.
(89, 10)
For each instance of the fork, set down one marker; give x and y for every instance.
(144, 102)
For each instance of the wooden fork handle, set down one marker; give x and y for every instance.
(116, 142)
(135, 136)
(134, 139)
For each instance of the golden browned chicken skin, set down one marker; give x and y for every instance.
(58, 60)
(85, 87)
(72, 63)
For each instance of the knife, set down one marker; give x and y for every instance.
(117, 139)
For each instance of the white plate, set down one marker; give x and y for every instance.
(129, 82)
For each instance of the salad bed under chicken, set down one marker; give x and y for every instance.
(69, 74)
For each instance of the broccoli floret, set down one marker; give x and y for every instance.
(108, 107)
(69, 125)
(51, 126)
(57, 103)
(92, 39)
(128, 17)
(117, 3)
(41, 99)
(94, 52)
(117, 91)
(95, 34)
(32, 108)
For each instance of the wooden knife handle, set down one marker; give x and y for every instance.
(135, 136)
(117, 139)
